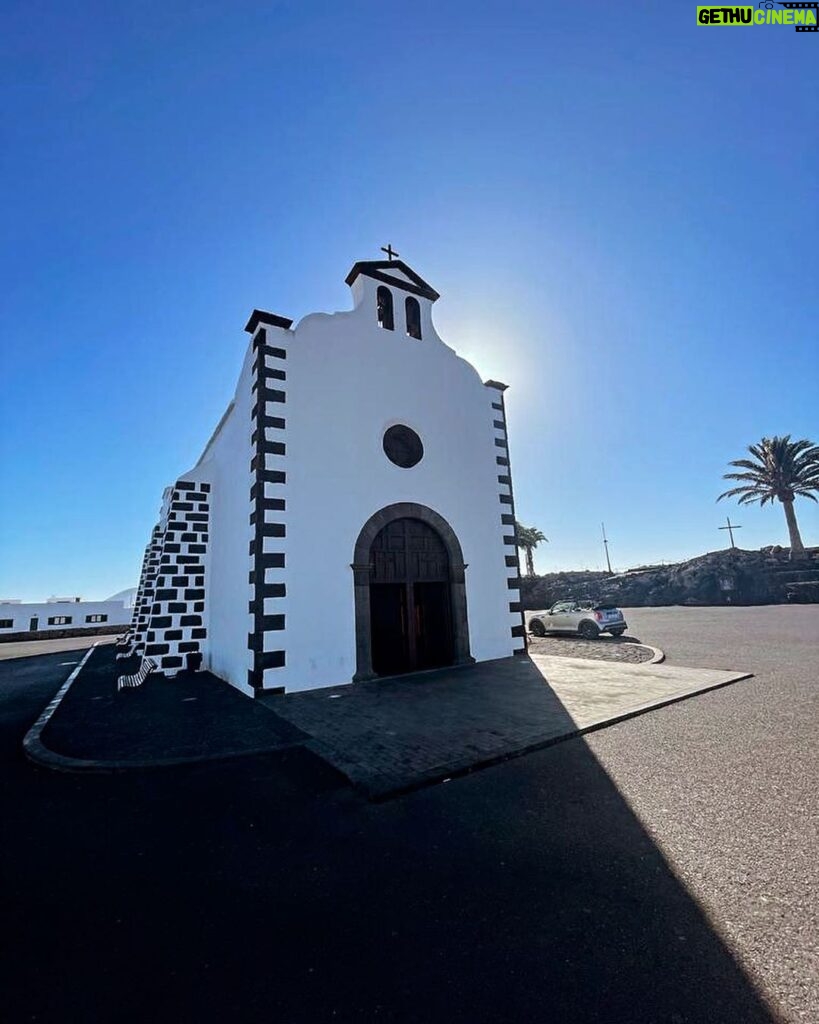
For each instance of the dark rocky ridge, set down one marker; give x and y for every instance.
(731, 576)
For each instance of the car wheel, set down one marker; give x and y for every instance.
(536, 628)
(617, 632)
(588, 630)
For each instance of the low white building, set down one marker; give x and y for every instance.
(352, 514)
(61, 613)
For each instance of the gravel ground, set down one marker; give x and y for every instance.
(602, 649)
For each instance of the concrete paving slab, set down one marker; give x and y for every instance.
(593, 692)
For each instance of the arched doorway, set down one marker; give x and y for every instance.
(410, 593)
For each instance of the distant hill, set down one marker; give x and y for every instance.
(732, 576)
(128, 596)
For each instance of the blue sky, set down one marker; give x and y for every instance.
(619, 209)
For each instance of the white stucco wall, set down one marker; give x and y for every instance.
(348, 381)
(225, 464)
(22, 614)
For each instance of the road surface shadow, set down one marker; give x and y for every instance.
(236, 891)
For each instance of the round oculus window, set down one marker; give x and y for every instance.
(403, 446)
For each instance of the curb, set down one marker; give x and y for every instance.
(656, 654)
(35, 749)
(37, 752)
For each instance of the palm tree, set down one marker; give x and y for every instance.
(781, 469)
(528, 538)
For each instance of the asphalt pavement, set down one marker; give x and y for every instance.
(662, 870)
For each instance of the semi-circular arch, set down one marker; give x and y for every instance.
(362, 569)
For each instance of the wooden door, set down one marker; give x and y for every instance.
(410, 599)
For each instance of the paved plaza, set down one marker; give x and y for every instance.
(389, 736)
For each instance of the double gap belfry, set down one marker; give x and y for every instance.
(352, 515)
(803, 16)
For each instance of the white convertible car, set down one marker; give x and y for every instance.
(583, 617)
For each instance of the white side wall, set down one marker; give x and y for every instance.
(22, 614)
(226, 466)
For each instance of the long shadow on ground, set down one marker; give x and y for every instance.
(193, 715)
(261, 890)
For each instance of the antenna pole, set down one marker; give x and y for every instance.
(606, 545)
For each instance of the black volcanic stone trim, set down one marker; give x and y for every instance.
(515, 606)
(185, 485)
(190, 620)
(513, 583)
(261, 316)
(511, 561)
(508, 519)
(174, 661)
(261, 421)
(271, 560)
(273, 529)
(384, 270)
(271, 476)
(498, 406)
(509, 540)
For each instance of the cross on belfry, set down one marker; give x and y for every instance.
(730, 528)
(388, 249)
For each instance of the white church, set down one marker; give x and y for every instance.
(352, 514)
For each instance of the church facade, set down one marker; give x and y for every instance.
(352, 515)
